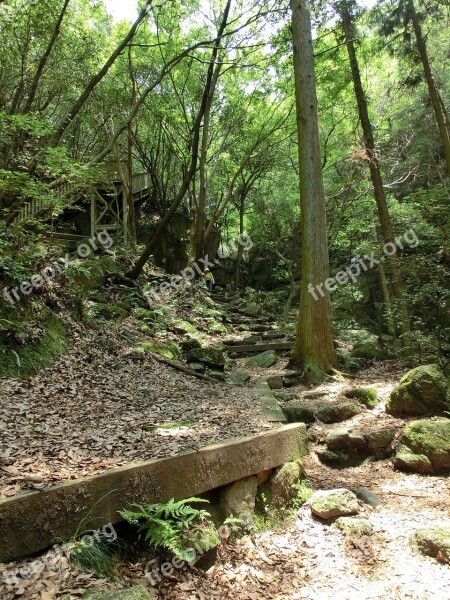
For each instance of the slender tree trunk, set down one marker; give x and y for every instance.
(162, 226)
(44, 59)
(438, 105)
(199, 226)
(131, 208)
(237, 275)
(375, 173)
(314, 347)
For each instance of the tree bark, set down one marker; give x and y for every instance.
(374, 167)
(438, 105)
(314, 347)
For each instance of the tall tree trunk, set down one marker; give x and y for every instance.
(438, 105)
(199, 226)
(240, 254)
(314, 347)
(375, 173)
(131, 208)
(162, 226)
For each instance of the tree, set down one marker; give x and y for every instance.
(314, 348)
(374, 167)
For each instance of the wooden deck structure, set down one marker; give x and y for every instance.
(109, 205)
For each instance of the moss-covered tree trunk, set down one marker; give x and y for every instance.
(314, 348)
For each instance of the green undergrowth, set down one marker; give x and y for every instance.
(268, 517)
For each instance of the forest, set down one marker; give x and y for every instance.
(224, 299)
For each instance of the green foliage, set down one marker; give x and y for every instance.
(168, 525)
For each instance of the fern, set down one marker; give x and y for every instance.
(167, 525)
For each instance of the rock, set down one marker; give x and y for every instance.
(273, 335)
(282, 485)
(109, 312)
(366, 496)
(85, 275)
(353, 526)
(264, 360)
(351, 442)
(168, 349)
(109, 265)
(368, 351)
(275, 382)
(422, 391)
(298, 413)
(190, 342)
(380, 442)
(434, 542)
(331, 458)
(183, 327)
(260, 328)
(251, 310)
(328, 504)
(207, 356)
(138, 592)
(215, 374)
(238, 499)
(198, 367)
(367, 396)
(252, 339)
(291, 380)
(239, 377)
(424, 446)
(143, 314)
(335, 413)
(286, 396)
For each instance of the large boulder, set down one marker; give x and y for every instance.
(264, 360)
(424, 447)
(344, 448)
(422, 391)
(207, 356)
(380, 442)
(328, 504)
(434, 542)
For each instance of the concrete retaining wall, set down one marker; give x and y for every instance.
(34, 521)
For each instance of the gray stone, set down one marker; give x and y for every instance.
(328, 504)
(207, 356)
(380, 442)
(424, 446)
(299, 413)
(264, 360)
(275, 382)
(239, 377)
(353, 526)
(335, 413)
(238, 499)
(282, 485)
(351, 442)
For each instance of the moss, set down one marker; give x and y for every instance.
(353, 526)
(429, 439)
(143, 314)
(422, 391)
(208, 356)
(264, 360)
(183, 327)
(434, 541)
(33, 355)
(367, 396)
(337, 412)
(168, 349)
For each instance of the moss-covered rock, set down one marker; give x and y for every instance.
(351, 442)
(367, 396)
(207, 356)
(299, 413)
(336, 413)
(190, 342)
(368, 351)
(109, 265)
(168, 349)
(85, 275)
(353, 526)
(328, 504)
(283, 484)
(239, 377)
(252, 310)
(422, 391)
(380, 442)
(275, 382)
(144, 314)
(424, 447)
(109, 312)
(434, 542)
(264, 360)
(183, 327)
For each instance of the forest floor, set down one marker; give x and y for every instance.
(97, 409)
